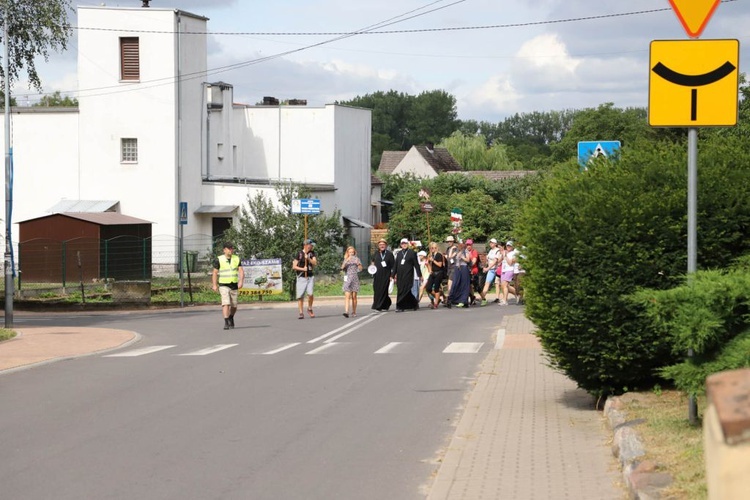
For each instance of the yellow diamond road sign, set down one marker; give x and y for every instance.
(694, 14)
(693, 83)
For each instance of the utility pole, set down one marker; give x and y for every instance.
(8, 194)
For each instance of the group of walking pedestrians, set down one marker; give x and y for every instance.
(460, 271)
(456, 277)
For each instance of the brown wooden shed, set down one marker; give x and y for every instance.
(73, 246)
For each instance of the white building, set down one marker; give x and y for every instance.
(153, 129)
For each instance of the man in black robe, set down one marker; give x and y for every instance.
(407, 266)
(384, 262)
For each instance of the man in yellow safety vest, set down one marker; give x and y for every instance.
(227, 279)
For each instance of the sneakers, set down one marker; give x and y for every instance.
(496, 301)
(460, 304)
(503, 303)
(483, 303)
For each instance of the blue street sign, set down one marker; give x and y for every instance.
(306, 206)
(183, 213)
(588, 150)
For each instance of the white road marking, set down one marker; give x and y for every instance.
(463, 348)
(388, 348)
(322, 348)
(209, 350)
(282, 348)
(348, 325)
(370, 319)
(139, 352)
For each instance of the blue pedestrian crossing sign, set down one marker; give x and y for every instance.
(588, 150)
(183, 213)
(306, 206)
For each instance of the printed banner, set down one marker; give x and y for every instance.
(262, 277)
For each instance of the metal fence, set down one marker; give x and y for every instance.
(49, 265)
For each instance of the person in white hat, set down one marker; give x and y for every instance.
(451, 253)
(493, 260)
(506, 273)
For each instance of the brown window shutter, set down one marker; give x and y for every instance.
(130, 68)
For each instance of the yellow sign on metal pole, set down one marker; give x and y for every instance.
(693, 83)
(694, 14)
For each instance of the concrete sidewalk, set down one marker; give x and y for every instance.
(527, 432)
(37, 345)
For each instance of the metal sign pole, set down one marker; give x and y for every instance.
(692, 235)
(8, 193)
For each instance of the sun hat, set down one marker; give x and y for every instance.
(493, 240)
(404, 240)
(509, 244)
(382, 240)
(422, 253)
(469, 241)
(450, 238)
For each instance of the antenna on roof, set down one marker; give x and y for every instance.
(145, 3)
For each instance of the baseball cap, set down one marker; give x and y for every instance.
(404, 240)
(493, 240)
(308, 242)
(509, 244)
(469, 241)
(228, 244)
(450, 238)
(382, 240)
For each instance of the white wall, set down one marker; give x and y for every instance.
(414, 163)
(45, 162)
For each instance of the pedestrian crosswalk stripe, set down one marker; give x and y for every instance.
(463, 347)
(282, 348)
(139, 352)
(388, 348)
(209, 350)
(322, 348)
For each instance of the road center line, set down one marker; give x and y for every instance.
(334, 332)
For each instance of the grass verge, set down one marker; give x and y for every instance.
(670, 441)
(6, 334)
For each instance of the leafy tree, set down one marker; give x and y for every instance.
(57, 100)
(34, 27)
(432, 117)
(472, 152)
(2, 100)
(267, 229)
(592, 238)
(400, 120)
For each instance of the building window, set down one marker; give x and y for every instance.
(129, 150)
(130, 66)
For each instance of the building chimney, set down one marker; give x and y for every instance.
(430, 147)
(145, 3)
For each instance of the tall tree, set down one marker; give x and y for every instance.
(57, 100)
(34, 27)
(432, 117)
(472, 152)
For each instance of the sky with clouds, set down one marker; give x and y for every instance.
(496, 57)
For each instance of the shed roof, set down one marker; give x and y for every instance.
(66, 206)
(100, 218)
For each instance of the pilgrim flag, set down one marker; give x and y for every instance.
(456, 219)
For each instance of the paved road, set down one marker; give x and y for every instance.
(277, 408)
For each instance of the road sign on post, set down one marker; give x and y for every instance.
(693, 83)
(694, 14)
(306, 206)
(588, 150)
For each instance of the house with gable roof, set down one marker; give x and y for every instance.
(425, 161)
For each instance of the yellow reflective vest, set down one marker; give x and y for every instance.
(229, 270)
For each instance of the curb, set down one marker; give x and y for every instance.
(641, 476)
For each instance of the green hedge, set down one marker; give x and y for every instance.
(591, 238)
